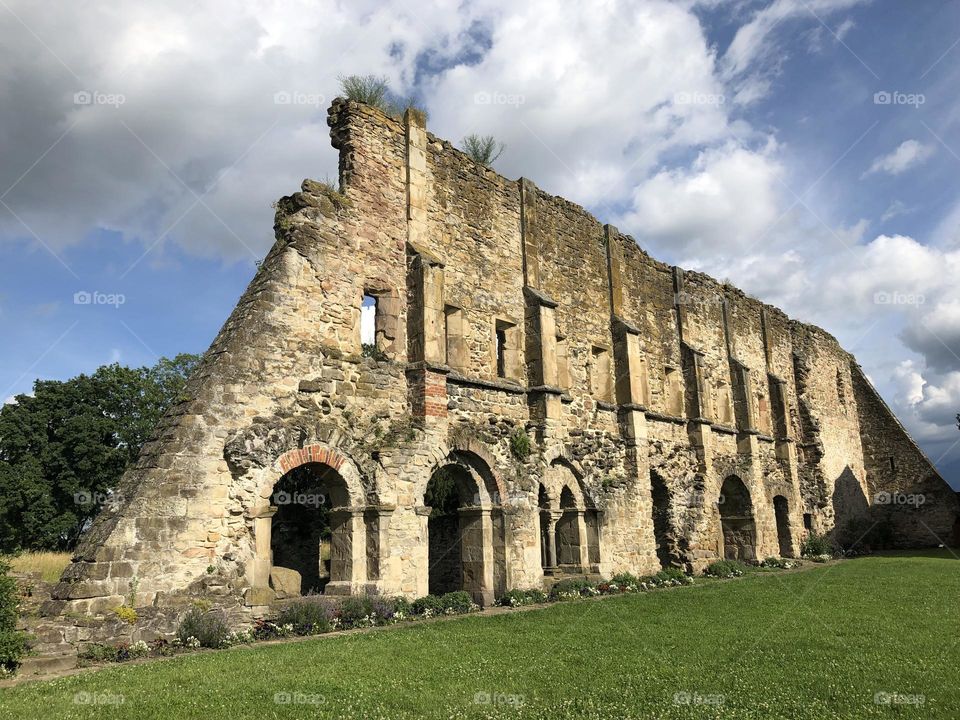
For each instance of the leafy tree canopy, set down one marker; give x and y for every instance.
(64, 448)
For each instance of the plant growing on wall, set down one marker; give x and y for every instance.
(520, 444)
(483, 149)
(374, 90)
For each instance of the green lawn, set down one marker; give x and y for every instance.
(818, 643)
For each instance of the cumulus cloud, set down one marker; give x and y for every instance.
(132, 119)
(927, 402)
(582, 121)
(937, 336)
(910, 153)
(727, 198)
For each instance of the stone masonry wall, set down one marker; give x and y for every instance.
(501, 312)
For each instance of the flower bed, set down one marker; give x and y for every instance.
(205, 627)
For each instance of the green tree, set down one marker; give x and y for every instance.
(64, 448)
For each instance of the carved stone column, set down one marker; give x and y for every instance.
(348, 552)
(260, 592)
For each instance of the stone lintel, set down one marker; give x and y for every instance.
(539, 297)
(687, 346)
(425, 256)
(624, 326)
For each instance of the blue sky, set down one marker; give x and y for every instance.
(750, 139)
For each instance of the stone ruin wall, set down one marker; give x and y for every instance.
(618, 367)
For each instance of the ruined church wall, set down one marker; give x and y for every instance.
(184, 509)
(905, 488)
(833, 478)
(287, 371)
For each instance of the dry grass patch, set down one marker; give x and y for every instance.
(50, 565)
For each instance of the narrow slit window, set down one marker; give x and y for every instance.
(368, 321)
(501, 352)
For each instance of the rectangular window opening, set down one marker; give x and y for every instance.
(368, 322)
(601, 374)
(501, 348)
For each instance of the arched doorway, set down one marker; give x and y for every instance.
(548, 552)
(465, 530)
(310, 543)
(736, 521)
(662, 530)
(568, 534)
(570, 523)
(781, 509)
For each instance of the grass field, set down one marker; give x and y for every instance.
(48, 564)
(872, 637)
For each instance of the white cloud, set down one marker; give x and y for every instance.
(926, 402)
(910, 153)
(753, 44)
(588, 122)
(895, 209)
(198, 84)
(726, 199)
(10, 400)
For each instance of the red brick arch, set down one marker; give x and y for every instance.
(311, 454)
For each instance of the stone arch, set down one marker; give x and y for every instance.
(737, 526)
(321, 454)
(467, 448)
(466, 537)
(572, 538)
(345, 500)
